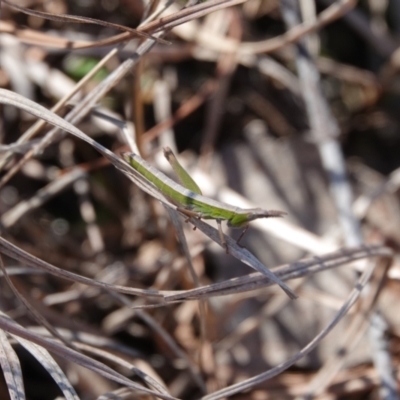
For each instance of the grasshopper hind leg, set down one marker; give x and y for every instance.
(189, 214)
(242, 234)
(222, 237)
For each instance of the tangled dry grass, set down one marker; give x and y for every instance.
(107, 292)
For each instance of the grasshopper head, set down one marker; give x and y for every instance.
(241, 219)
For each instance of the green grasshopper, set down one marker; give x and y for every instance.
(190, 201)
(149, 173)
